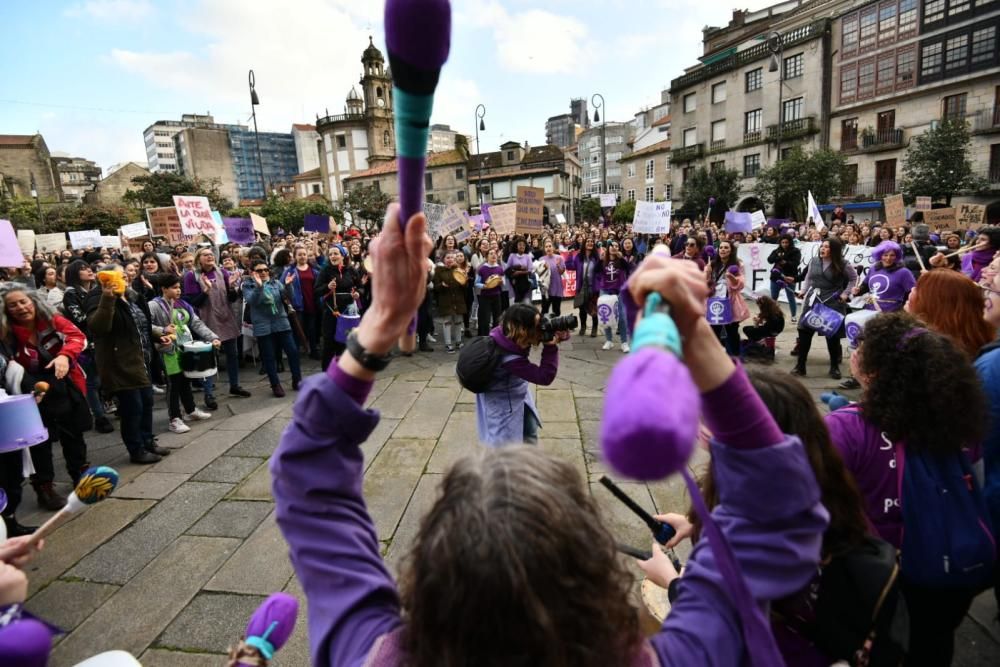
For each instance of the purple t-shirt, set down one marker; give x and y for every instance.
(554, 262)
(890, 287)
(484, 272)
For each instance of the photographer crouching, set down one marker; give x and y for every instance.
(505, 411)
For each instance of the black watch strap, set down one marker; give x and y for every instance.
(368, 360)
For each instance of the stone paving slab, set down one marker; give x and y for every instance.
(211, 622)
(260, 566)
(398, 398)
(391, 480)
(566, 449)
(134, 616)
(556, 405)
(249, 421)
(164, 658)
(457, 440)
(67, 603)
(200, 452)
(373, 445)
(409, 525)
(427, 417)
(255, 487)
(557, 429)
(228, 469)
(262, 442)
(152, 484)
(231, 518)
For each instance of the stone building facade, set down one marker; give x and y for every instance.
(24, 156)
(205, 154)
(445, 181)
(110, 190)
(77, 177)
(647, 174)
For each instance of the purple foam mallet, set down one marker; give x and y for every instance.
(735, 270)
(271, 625)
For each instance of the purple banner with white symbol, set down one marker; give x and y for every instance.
(719, 310)
(823, 320)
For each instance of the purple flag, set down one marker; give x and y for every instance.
(778, 223)
(719, 310)
(239, 230)
(738, 222)
(317, 223)
(823, 320)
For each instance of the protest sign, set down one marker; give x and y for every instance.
(560, 218)
(449, 220)
(134, 230)
(434, 212)
(26, 241)
(970, 216)
(923, 203)
(778, 223)
(316, 223)
(87, 238)
(195, 214)
(757, 219)
(240, 230)
(260, 224)
(220, 230)
(111, 242)
(529, 214)
(895, 210)
(737, 222)
(609, 200)
(50, 242)
(940, 218)
(10, 251)
(504, 218)
(568, 277)
(164, 222)
(651, 217)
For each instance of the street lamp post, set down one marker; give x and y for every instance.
(776, 45)
(480, 114)
(254, 101)
(604, 150)
(38, 201)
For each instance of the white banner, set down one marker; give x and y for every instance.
(88, 238)
(758, 219)
(651, 217)
(757, 270)
(609, 200)
(134, 230)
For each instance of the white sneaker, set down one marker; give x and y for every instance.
(178, 426)
(431, 338)
(607, 345)
(197, 415)
(625, 348)
(157, 389)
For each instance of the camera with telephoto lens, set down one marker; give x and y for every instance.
(550, 327)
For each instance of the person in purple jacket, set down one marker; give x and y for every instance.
(584, 262)
(512, 564)
(489, 293)
(612, 272)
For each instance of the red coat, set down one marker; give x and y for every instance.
(58, 337)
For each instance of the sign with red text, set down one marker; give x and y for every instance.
(195, 215)
(568, 278)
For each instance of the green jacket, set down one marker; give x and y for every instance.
(121, 364)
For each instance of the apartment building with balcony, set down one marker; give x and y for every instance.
(899, 68)
(606, 178)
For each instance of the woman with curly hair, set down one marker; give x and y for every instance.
(920, 392)
(951, 304)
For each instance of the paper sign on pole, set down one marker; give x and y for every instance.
(529, 214)
(26, 240)
(50, 242)
(651, 217)
(940, 218)
(895, 210)
(195, 214)
(757, 219)
(970, 216)
(134, 230)
(260, 224)
(609, 200)
(923, 203)
(504, 218)
(164, 223)
(111, 242)
(10, 251)
(87, 238)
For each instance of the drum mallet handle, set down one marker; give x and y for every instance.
(662, 532)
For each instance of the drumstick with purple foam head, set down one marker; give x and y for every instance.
(418, 38)
(269, 628)
(95, 485)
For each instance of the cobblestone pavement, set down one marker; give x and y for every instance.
(171, 566)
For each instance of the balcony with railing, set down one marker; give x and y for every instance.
(752, 137)
(793, 129)
(687, 153)
(717, 145)
(869, 189)
(986, 121)
(327, 120)
(882, 140)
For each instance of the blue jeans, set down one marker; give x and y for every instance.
(135, 410)
(232, 368)
(776, 288)
(93, 384)
(622, 328)
(284, 341)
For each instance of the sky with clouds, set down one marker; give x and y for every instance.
(90, 75)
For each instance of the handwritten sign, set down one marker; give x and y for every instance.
(940, 218)
(560, 218)
(529, 214)
(651, 217)
(87, 238)
(757, 219)
(970, 216)
(446, 219)
(239, 230)
(50, 242)
(195, 214)
(260, 224)
(923, 203)
(111, 242)
(568, 278)
(504, 218)
(609, 200)
(895, 210)
(165, 223)
(10, 251)
(26, 240)
(134, 230)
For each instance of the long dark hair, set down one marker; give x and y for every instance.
(922, 389)
(718, 266)
(73, 272)
(769, 308)
(836, 256)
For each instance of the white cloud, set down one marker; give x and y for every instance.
(111, 10)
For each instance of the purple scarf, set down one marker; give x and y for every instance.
(974, 262)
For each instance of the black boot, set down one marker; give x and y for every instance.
(15, 529)
(48, 497)
(593, 329)
(835, 371)
(800, 368)
(795, 350)
(103, 425)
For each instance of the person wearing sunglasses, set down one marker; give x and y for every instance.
(692, 251)
(264, 296)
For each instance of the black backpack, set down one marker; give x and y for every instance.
(477, 362)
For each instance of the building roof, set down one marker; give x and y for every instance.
(663, 121)
(353, 95)
(303, 127)
(310, 175)
(658, 147)
(546, 153)
(535, 155)
(372, 52)
(441, 159)
(17, 139)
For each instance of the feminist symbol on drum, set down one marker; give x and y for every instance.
(604, 313)
(717, 311)
(853, 330)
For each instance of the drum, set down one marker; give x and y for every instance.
(493, 281)
(460, 275)
(854, 324)
(20, 423)
(655, 607)
(198, 360)
(607, 311)
(345, 324)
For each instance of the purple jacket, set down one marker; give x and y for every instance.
(578, 263)
(775, 532)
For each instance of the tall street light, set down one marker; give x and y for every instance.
(254, 101)
(480, 114)
(604, 152)
(776, 45)
(38, 201)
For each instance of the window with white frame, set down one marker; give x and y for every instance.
(649, 193)
(690, 136)
(631, 195)
(614, 157)
(631, 169)
(718, 92)
(793, 66)
(650, 169)
(690, 101)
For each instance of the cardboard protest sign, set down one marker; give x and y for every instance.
(195, 214)
(165, 223)
(316, 223)
(50, 242)
(134, 230)
(504, 218)
(757, 219)
(260, 224)
(10, 251)
(970, 216)
(239, 230)
(528, 215)
(434, 212)
(26, 241)
(923, 203)
(737, 222)
(940, 218)
(609, 200)
(449, 220)
(651, 217)
(87, 238)
(111, 242)
(895, 210)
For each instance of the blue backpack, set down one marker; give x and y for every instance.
(948, 539)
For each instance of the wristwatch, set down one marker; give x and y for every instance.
(367, 360)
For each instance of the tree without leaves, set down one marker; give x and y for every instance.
(937, 163)
(785, 185)
(702, 184)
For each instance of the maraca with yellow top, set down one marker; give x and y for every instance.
(113, 278)
(95, 485)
